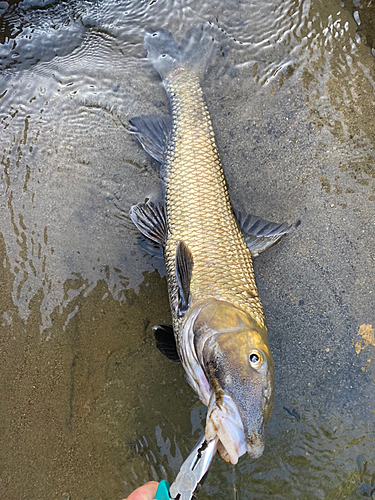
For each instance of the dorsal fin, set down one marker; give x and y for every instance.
(260, 234)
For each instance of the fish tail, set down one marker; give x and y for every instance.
(166, 55)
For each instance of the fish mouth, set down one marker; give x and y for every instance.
(255, 445)
(224, 421)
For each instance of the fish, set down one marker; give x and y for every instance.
(219, 332)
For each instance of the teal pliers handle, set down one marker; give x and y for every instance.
(162, 493)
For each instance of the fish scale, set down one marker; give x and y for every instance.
(198, 206)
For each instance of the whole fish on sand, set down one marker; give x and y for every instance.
(219, 331)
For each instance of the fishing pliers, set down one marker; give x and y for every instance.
(191, 474)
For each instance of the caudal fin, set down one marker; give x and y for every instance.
(166, 55)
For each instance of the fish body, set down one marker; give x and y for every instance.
(198, 207)
(218, 319)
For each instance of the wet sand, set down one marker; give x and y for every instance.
(62, 400)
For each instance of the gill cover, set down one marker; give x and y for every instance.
(234, 353)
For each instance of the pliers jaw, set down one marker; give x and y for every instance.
(194, 469)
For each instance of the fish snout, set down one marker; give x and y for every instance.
(255, 444)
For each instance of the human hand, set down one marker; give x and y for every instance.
(145, 492)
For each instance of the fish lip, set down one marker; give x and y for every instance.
(255, 444)
(224, 421)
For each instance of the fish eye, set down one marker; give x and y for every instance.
(256, 359)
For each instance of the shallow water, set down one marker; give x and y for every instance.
(89, 408)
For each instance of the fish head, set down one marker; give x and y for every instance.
(234, 353)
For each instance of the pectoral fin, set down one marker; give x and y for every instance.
(166, 342)
(152, 131)
(260, 234)
(184, 268)
(151, 220)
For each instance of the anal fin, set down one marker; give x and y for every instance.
(152, 131)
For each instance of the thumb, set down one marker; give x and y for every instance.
(145, 492)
